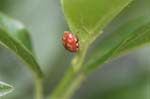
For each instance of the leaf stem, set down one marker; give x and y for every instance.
(72, 78)
(38, 88)
(73, 86)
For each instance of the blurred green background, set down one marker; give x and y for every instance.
(124, 78)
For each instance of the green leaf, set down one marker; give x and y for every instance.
(131, 35)
(87, 18)
(5, 88)
(16, 30)
(15, 37)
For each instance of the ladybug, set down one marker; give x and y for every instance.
(70, 42)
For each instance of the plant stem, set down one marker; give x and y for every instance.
(72, 78)
(73, 86)
(38, 88)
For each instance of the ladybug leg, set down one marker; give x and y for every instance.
(77, 37)
(77, 43)
(77, 40)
